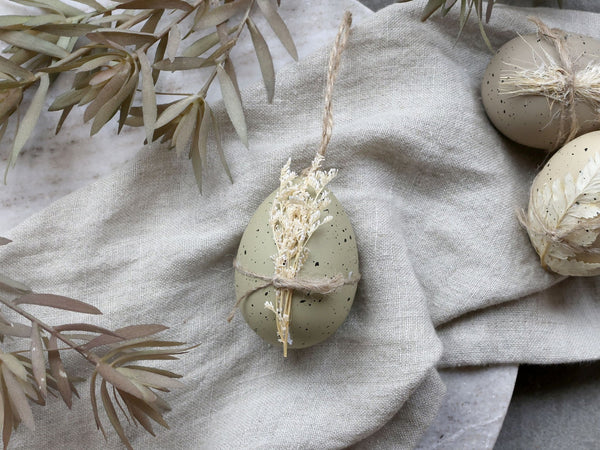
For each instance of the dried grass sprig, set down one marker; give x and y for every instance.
(121, 52)
(119, 358)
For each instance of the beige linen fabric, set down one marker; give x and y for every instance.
(431, 189)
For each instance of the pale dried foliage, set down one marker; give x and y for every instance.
(117, 51)
(563, 220)
(466, 9)
(119, 359)
(297, 212)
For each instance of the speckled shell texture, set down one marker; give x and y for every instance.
(570, 159)
(332, 250)
(531, 119)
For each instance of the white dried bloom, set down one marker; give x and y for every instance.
(297, 212)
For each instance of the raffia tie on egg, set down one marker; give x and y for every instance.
(542, 90)
(563, 216)
(273, 280)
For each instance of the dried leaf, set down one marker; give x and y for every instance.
(67, 29)
(112, 415)
(109, 109)
(34, 43)
(431, 7)
(57, 370)
(174, 110)
(202, 45)
(15, 329)
(219, 144)
(92, 4)
(122, 37)
(94, 402)
(12, 284)
(220, 14)
(265, 60)
(118, 78)
(17, 398)
(8, 416)
(63, 117)
(38, 363)
(173, 43)
(55, 5)
(162, 372)
(157, 4)
(57, 301)
(150, 379)
(203, 135)
(121, 382)
(152, 22)
(182, 63)
(67, 99)
(148, 96)
(84, 327)
(9, 67)
(233, 105)
(10, 100)
(195, 150)
(160, 53)
(29, 120)
(15, 366)
(279, 27)
(138, 415)
(145, 408)
(488, 11)
(4, 241)
(185, 129)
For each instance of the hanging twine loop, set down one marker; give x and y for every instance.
(323, 285)
(559, 82)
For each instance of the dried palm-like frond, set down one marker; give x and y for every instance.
(121, 50)
(119, 358)
(466, 8)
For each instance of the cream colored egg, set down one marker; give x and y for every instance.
(563, 217)
(332, 251)
(534, 120)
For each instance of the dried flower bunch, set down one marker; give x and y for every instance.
(112, 50)
(118, 357)
(296, 214)
(466, 9)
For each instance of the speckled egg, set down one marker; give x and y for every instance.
(563, 217)
(534, 120)
(332, 251)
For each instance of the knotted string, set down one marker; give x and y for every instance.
(559, 82)
(324, 285)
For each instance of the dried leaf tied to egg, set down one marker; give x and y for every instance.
(563, 217)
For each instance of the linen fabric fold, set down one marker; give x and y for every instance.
(431, 190)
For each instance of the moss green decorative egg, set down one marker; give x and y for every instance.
(332, 251)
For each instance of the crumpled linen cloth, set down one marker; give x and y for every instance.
(449, 277)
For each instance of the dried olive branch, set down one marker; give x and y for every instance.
(110, 69)
(25, 378)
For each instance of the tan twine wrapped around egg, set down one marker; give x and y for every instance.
(296, 214)
(558, 81)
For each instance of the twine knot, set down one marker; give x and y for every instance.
(559, 82)
(324, 285)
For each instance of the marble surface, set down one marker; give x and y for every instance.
(49, 168)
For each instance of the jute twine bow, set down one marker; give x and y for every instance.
(559, 82)
(325, 285)
(309, 285)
